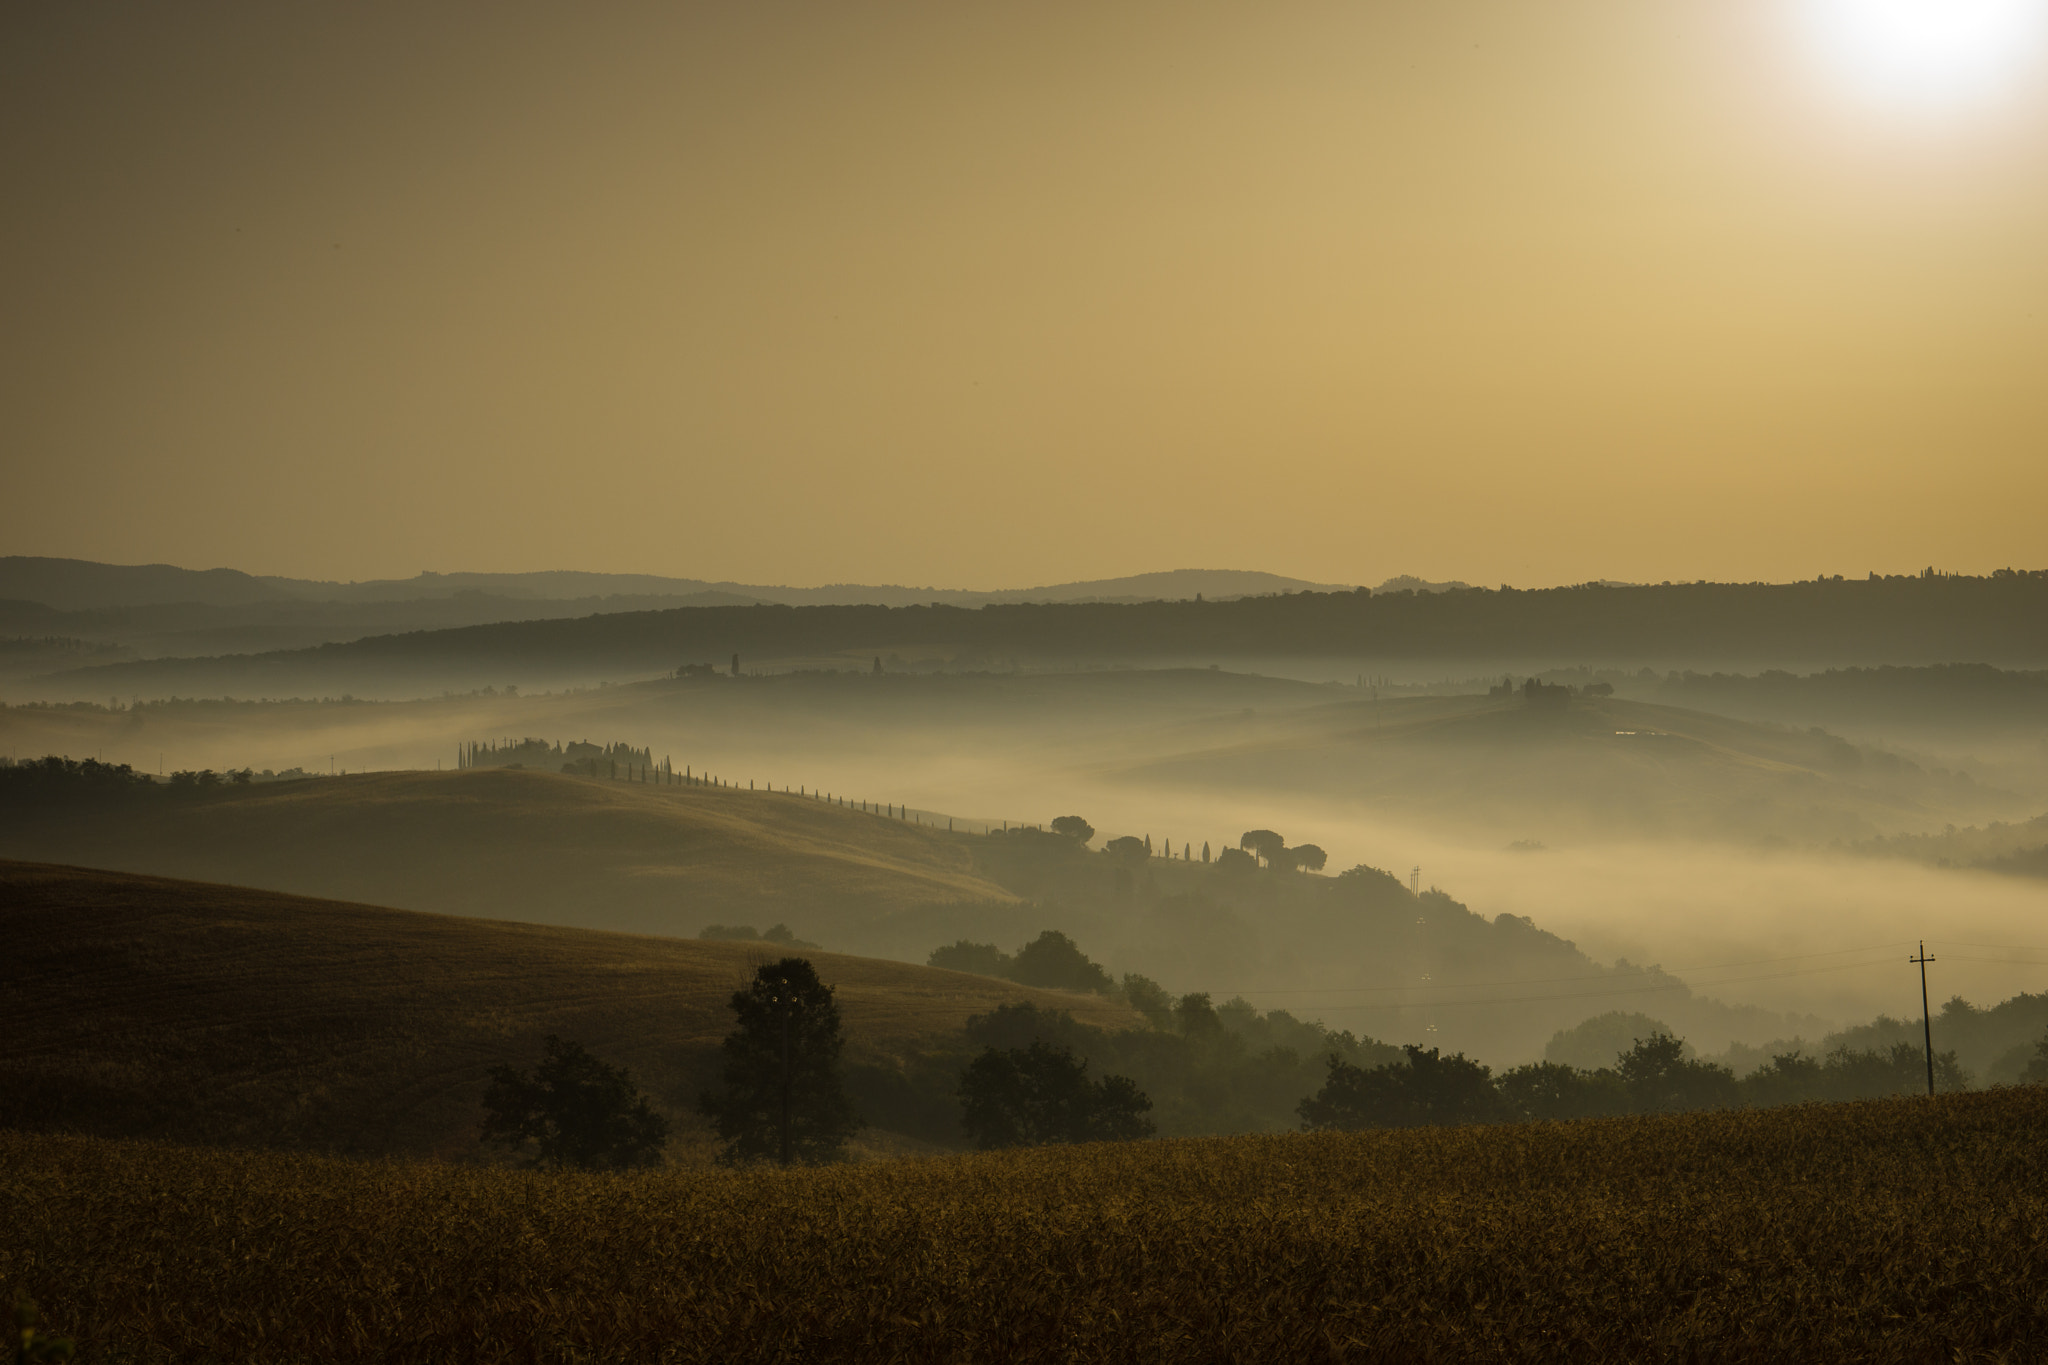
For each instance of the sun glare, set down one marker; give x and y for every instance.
(1928, 54)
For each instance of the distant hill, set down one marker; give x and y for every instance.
(2000, 620)
(80, 584)
(205, 1013)
(157, 610)
(83, 585)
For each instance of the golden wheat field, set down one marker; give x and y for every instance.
(1907, 1230)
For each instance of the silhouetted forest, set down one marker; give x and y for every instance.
(44, 783)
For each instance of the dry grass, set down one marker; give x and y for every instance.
(526, 845)
(139, 1006)
(1904, 1230)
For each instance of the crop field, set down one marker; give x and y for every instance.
(1901, 1230)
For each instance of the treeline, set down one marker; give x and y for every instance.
(2018, 849)
(1653, 1076)
(1202, 1067)
(63, 781)
(1207, 1068)
(578, 756)
(1930, 618)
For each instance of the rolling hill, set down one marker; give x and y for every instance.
(528, 845)
(205, 1013)
(1587, 768)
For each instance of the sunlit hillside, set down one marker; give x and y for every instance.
(206, 1013)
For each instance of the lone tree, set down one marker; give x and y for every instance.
(578, 1112)
(1074, 827)
(1308, 857)
(1026, 1097)
(784, 1099)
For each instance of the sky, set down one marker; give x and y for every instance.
(1001, 294)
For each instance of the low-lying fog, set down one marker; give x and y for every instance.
(1509, 813)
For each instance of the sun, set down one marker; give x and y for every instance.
(1928, 54)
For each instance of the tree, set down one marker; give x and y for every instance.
(784, 1097)
(1264, 845)
(1054, 960)
(1041, 1094)
(983, 959)
(1596, 1042)
(1127, 848)
(1425, 1089)
(1149, 998)
(1196, 1017)
(1308, 857)
(2036, 1072)
(1236, 860)
(1659, 1077)
(577, 1111)
(1074, 827)
(1551, 1090)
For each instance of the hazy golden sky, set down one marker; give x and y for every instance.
(992, 294)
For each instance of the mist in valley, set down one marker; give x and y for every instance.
(1741, 862)
(1040, 682)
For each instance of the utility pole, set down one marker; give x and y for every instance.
(1926, 1027)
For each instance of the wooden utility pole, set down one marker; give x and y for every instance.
(1926, 1027)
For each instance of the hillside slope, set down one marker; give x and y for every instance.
(527, 845)
(202, 1013)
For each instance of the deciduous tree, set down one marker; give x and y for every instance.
(1042, 1094)
(1074, 827)
(577, 1111)
(1426, 1089)
(1263, 844)
(784, 1099)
